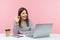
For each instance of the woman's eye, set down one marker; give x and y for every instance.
(23, 13)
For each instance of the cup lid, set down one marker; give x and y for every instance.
(7, 29)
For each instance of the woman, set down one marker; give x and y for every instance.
(22, 24)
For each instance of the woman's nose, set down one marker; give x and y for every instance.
(25, 14)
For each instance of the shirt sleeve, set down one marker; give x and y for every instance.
(16, 28)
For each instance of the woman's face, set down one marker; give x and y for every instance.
(23, 15)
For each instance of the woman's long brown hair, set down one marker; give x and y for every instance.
(19, 13)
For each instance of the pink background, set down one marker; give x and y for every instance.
(40, 11)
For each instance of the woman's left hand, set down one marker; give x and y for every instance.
(20, 32)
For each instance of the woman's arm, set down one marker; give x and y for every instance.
(16, 28)
(16, 22)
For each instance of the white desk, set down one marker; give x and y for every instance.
(52, 37)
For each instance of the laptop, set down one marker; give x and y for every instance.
(41, 30)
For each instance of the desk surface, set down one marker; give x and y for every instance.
(52, 37)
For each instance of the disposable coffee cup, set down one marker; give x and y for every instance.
(7, 32)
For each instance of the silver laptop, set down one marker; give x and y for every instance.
(42, 30)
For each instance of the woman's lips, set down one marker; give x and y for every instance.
(24, 16)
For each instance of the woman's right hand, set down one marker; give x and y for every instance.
(17, 19)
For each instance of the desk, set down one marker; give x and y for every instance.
(52, 37)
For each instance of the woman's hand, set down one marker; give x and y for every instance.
(17, 19)
(20, 32)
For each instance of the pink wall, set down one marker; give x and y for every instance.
(40, 11)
